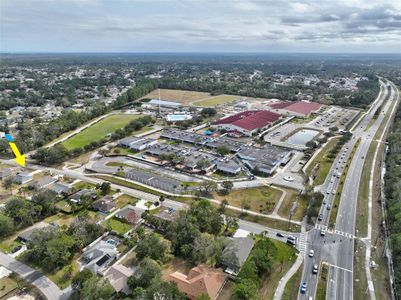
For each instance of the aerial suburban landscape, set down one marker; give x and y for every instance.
(225, 167)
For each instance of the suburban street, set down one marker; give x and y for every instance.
(336, 248)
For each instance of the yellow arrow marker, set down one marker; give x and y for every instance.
(19, 159)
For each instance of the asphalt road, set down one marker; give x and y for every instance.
(336, 248)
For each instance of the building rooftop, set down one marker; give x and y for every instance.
(302, 107)
(250, 119)
(200, 280)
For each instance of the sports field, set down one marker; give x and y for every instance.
(98, 131)
(217, 100)
(181, 96)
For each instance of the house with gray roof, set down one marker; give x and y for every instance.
(228, 166)
(23, 177)
(104, 205)
(236, 253)
(42, 183)
(60, 188)
(101, 255)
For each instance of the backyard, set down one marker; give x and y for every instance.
(117, 226)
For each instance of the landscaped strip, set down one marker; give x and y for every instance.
(322, 283)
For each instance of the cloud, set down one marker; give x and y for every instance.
(197, 25)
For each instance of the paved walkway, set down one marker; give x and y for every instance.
(284, 280)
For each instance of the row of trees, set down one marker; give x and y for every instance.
(393, 196)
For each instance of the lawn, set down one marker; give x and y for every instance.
(117, 226)
(7, 285)
(322, 162)
(217, 100)
(64, 206)
(124, 200)
(283, 260)
(287, 204)
(10, 242)
(99, 130)
(269, 222)
(261, 199)
(63, 276)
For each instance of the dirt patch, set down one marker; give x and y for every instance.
(181, 96)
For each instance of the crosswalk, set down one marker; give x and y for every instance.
(302, 243)
(325, 228)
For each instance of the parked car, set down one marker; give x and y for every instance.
(16, 249)
(320, 217)
(279, 234)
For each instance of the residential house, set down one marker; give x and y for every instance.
(104, 205)
(26, 235)
(118, 277)
(42, 182)
(130, 214)
(236, 253)
(98, 257)
(200, 280)
(23, 177)
(84, 193)
(60, 188)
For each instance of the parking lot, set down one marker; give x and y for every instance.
(334, 117)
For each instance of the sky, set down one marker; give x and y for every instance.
(362, 26)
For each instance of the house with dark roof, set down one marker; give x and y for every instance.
(84, 193)
(301, 109)
(236, 253)
(230, 167)
(104, 205)
(247, 122)
(199, 281)
(130, 214)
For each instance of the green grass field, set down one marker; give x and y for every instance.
(117, 225)
(217, 100)
(98, 131)
(260, 199)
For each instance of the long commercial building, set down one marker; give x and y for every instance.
(247, 122)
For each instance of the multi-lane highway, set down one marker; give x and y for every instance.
(336, 247)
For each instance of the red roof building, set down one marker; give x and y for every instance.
(247, 122)
(299, 108)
